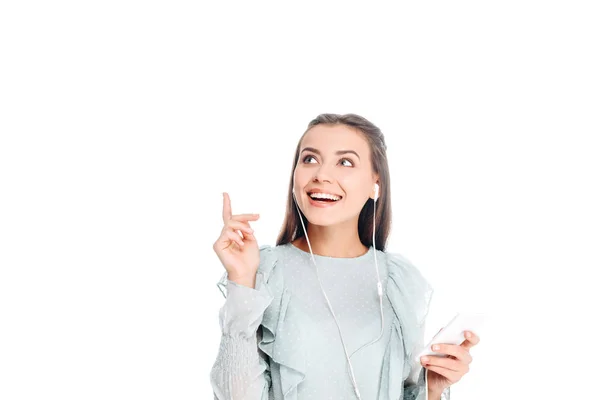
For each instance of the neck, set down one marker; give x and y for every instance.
(340, 241)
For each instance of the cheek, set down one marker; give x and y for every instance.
(301, 178)
(355, 188)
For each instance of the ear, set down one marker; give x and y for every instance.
(376, 187)
(376, 192)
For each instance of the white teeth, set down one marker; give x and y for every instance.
(324, 196)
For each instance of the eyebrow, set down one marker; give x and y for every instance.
(338, 153)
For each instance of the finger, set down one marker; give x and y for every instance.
(245, 217)
(452, 376)
(234, 237)
(249, 237)
(470, 341)
(226, 207)
(243, 226)
(246, 235)
(444, 362)
(455, 351)
(227, 239)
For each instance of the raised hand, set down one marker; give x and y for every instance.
(238, 254)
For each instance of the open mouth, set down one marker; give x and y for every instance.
(324, 198)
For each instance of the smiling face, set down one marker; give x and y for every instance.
(334, 166)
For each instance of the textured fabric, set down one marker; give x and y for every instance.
(280, 341)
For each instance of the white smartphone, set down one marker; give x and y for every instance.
(454, 332)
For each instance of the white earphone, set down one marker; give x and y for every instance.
(379, 287)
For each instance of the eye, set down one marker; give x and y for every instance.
(350, 161)
(306, 158)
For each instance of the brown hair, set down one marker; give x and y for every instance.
(292, 229)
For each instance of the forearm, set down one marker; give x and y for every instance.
(239, 369)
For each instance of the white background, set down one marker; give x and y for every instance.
(122, 123)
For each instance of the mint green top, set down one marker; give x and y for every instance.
(280, 342)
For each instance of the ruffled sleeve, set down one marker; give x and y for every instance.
(240, 370)
(280, 328)
(410, 296)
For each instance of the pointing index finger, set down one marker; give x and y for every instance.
(226, 207)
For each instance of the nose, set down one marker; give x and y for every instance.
(322, 174)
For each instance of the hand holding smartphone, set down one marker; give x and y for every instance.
(453, 332)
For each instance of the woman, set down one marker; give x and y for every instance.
(327, 313)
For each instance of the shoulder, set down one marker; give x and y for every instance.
(407, 282)
(399, 261)
(402, 267)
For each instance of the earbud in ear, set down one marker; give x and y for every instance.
(294, 185)
(376, 192)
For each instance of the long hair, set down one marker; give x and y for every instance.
(292, 229)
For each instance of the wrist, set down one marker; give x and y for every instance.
(433, 394)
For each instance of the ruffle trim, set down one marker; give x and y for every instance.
(279, 326)
(410, 296)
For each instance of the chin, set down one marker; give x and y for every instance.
(330, 219)
(327, 216)
(322, 222)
